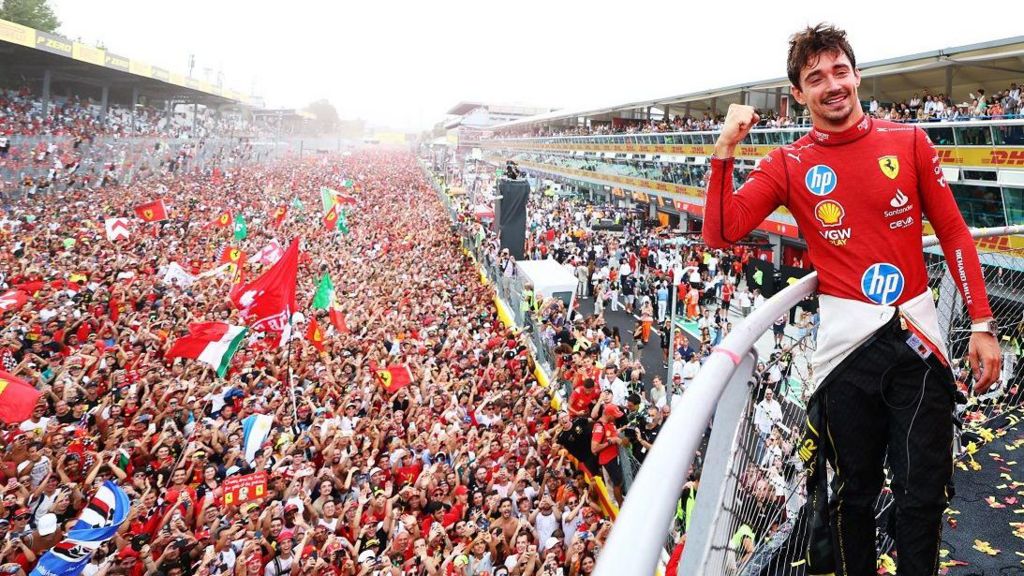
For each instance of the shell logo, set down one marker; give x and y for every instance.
(830, 213)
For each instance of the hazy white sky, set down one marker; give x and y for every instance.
(403, 64)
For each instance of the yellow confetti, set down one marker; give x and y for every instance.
(985, 547)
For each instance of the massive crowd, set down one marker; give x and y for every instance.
(22, 113)
(456, 473)
(623, 261)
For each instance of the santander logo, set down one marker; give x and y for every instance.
(900, 204)
(899, 200)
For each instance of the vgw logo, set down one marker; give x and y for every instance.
(882, 283)
(821, 180)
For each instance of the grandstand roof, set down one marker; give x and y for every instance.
(29, 51)
(972, 66)
(465, 107)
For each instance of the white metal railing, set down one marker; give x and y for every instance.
(636, 541)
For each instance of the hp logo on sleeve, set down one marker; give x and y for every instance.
(821, 180)
(882, 283)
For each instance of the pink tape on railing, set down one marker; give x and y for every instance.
(732, 355)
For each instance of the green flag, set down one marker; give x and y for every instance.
(328, 197)
(241, 230)
(324, 293)
(347, 182)
(297, 204)
(343, 221)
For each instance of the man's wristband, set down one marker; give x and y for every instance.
(987, 326)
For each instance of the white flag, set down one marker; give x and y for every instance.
(116, 228)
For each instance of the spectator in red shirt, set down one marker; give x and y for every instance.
(604, 442)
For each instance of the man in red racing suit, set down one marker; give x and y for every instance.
(858, 189)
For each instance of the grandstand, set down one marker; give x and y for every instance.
(75, 114)
(653, 156)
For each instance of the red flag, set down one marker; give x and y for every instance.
(17, 399)
(222, 221)
(331, 218)
(315, 335)
(279, 213)
(269, 301)
(232, 255)
(12, 300)
(338, 319)
(154, 211)
(395, 377)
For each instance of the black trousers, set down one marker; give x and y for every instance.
(889, 401)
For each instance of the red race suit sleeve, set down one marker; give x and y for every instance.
(944, 215)
(730, 215)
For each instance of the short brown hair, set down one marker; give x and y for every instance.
(806, 46)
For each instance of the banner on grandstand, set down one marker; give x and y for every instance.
(53, 43)
(17, 34)
(116, 62)
(238, 489)
(87, 53)
(160, 74)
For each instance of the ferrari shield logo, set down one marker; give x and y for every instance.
(223, 218)
(385, 377)
(890, 166)
(235, 254)
(148, 214)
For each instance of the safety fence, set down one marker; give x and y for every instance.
(747, 518)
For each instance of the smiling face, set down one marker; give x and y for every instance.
(828, 87)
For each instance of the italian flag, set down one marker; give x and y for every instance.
(212, 343)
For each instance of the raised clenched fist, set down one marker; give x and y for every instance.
(738, 122)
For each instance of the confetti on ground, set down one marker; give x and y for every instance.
(985, 547)
(986, 517)
(993, 503)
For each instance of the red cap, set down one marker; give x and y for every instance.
(461, 490)
(127, 552)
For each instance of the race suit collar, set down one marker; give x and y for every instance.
(852, 133)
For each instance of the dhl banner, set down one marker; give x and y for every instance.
(1005, 156)
(641, 197)
(1008, 157)
(992, 244)
(693, 206)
